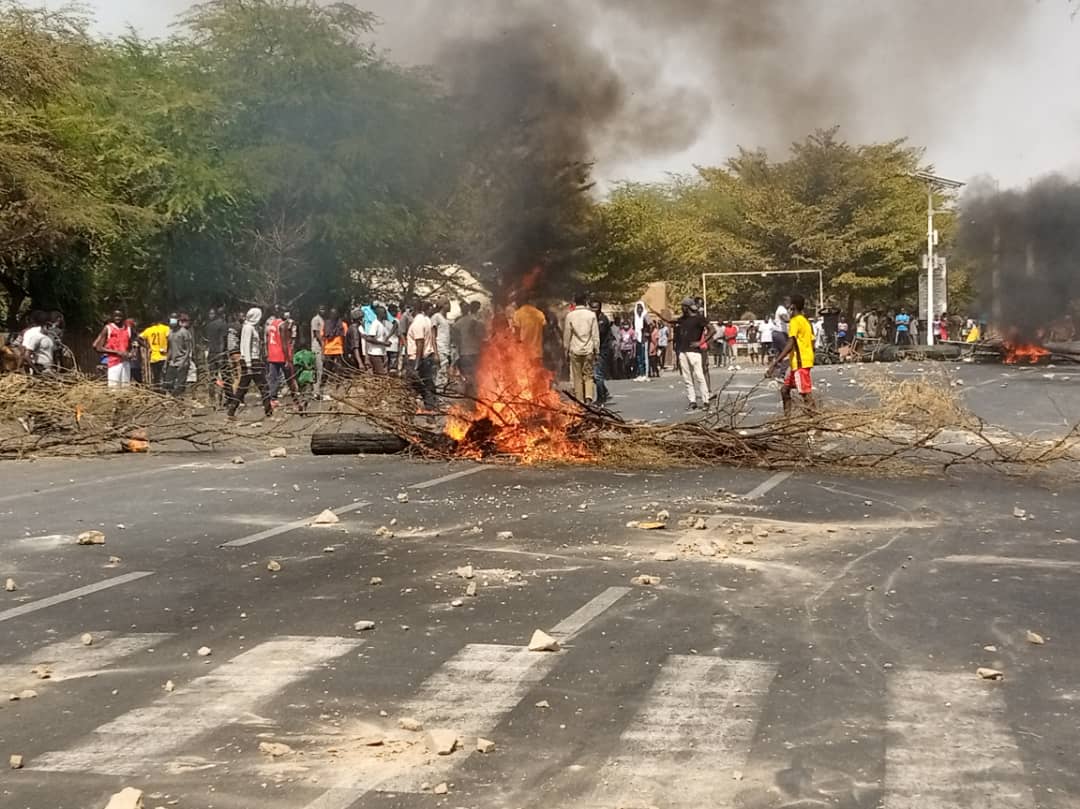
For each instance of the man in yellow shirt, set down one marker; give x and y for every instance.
(529, 323)
(156, 339)
(800, 349)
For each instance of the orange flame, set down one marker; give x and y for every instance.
(1024, 353)
(518, 411)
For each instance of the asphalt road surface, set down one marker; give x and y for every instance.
(813, 643)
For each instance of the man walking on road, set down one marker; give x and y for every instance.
(217, 331)
(422, 356)
(178, 360)
(800, 348)
(441, 324)
(691, 333)
(252, 363)
(318, 323)
(581, 341)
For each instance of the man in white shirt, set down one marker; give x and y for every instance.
(39, 344)
(422, 355)
(376, 341)
(441, 324)
(317, 324)
(780, 326)
(581, 340)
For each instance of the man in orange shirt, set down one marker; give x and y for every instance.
(529, 323)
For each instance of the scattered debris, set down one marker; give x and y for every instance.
(403, 497)
(10, 586)
(114, 561)
(706, 549)
(204, 651)
(701, 524)
(42, 671)
(238, 460)
(990, 674)
(90, 538)
(87, 639)
(665, 556)
(645, 580)
(329, 549)
(457, 602)
(274, 566)
(29, 693)
(274, 749)
(484, 745)
(1019, 513)
(364, 626)
(648, 526)
(169, 686)
(375, 580)
(15, 762)
(410, 724)
(441, 789)
(663, 516)
(1035, 638)
(465, 572)
(279, 452)
(442, 742)
(504, 536)
(326, 517)
(543, 642)
(990, 648)
(543, 704)
(127, 798)
(470, 591)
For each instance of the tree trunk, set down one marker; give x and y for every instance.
(357, 444)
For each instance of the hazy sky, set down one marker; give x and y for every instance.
(1011, 111)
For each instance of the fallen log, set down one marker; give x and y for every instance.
(357, 444)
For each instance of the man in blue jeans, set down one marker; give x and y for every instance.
(903, 328)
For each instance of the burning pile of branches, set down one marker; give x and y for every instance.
(902, 426)
(74, 415)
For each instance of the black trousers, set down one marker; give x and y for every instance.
(254, 374)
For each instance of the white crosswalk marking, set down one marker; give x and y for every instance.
(949, 745)
(71, 659)
(469, 694)
(132, 744)
(692, 733)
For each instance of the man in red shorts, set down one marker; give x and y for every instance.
(800, 349)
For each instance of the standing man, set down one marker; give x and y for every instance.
(178, 358)
(800, 348)
(252, 363)
(422, 356)
(156, 338)
(641, 355)
(38, 344)
(731, 342)
(903, 327)
(753, 344)
(393, 346)
(333, 342)
(355, 345)
(376, 341)
(581, 341)
(217, 332)
(441, 323)
(114, 342)
(317, 325)
(276, 357)
(692, 332)
(468, 335)
(607, 349)
(528, 323)
(662, 340)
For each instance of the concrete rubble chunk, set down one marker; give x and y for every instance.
(457, 602)
(484, 745)
(410, 724)
(543, 642)
(90, 538)
(990, 674)
(1035, 638)
(383, 531)
(279, 452)
(1019, 513)
(326, 517)
(274, 566)
(665, 556)
(441, 789)
(470, 591)
(403, 497)
(706, 549)
(650, 525)
(465, 572)
(364, 626)
(15, 762)
(274, 749)
(238, 460)
(504, 536)
(441, 741)
(701, 524)
(663, 516)
(115, 560)
(169, 686)
(87, 639)
(10, 585)
(543, 704)
(645, 580)
(42, 671)
(204, 651)
(375, 580)
(127, 798)
(28, 693)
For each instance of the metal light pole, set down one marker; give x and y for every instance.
(933, 183)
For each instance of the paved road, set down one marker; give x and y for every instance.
(830, 663)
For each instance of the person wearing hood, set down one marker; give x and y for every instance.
(252, 364)
(641, 320)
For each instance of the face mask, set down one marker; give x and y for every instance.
(173, 321)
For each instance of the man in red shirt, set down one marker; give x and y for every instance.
(731, 339)
(115, 343)
(279, 351)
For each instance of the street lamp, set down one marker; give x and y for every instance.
(933, 183)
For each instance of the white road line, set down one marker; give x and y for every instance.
(950, 745)
(46, 490)
(470, 693)
(1012, 561)
(767, 486)
(71, 659)
(134, 743)
(464, 473)
(71, 595)
(277, 531)
(692, 733)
